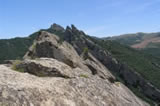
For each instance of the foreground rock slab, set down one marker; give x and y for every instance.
(49, 67)
(23, 89)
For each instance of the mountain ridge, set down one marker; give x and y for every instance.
(147, 42)
(105, 53)
(52, 73)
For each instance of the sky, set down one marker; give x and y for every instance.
(101, 18)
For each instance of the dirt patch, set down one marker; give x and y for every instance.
(145, 42)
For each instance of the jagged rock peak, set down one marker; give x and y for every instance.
(57, 27)
(74, 30)
(68, 28)
(73, 27)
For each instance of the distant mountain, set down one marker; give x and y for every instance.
(138, 70)
(148, 42)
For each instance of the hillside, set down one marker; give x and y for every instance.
(15, 48)
(147, 65)
(147, 42)
(122, 61)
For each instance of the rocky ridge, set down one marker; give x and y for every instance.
(55, 73)
(129, 75)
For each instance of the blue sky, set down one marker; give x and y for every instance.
(100, 18)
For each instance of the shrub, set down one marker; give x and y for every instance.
(33, 46)
(84, 76)
(14, 66)
(85, 53)
(85, 50)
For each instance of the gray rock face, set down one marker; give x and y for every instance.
(97, 68)
(48, 67)
(104, 57)
(134, 79)
(22, 89)
(47, 45)
(57, 27)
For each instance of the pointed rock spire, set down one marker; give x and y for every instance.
(57, 27)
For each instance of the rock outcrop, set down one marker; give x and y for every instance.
(23, 89)
(130, 77)
(49, 45)
(48, 67)
(55, 74)
(57, 27)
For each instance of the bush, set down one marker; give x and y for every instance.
(15, 64)
(85, 50)
(85, 53)
(33, 46)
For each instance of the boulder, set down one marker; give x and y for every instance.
(48, 67)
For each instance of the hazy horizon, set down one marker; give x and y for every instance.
(97, 18)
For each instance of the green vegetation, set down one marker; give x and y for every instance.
(85, 53)
(139, 61)
(33, 46)
(11, 49)
(85, 50)
(84, 76)
(61, 40)
(153, 49)
(145, 64)
(15, 48)
(14, 66)
(131, 39)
